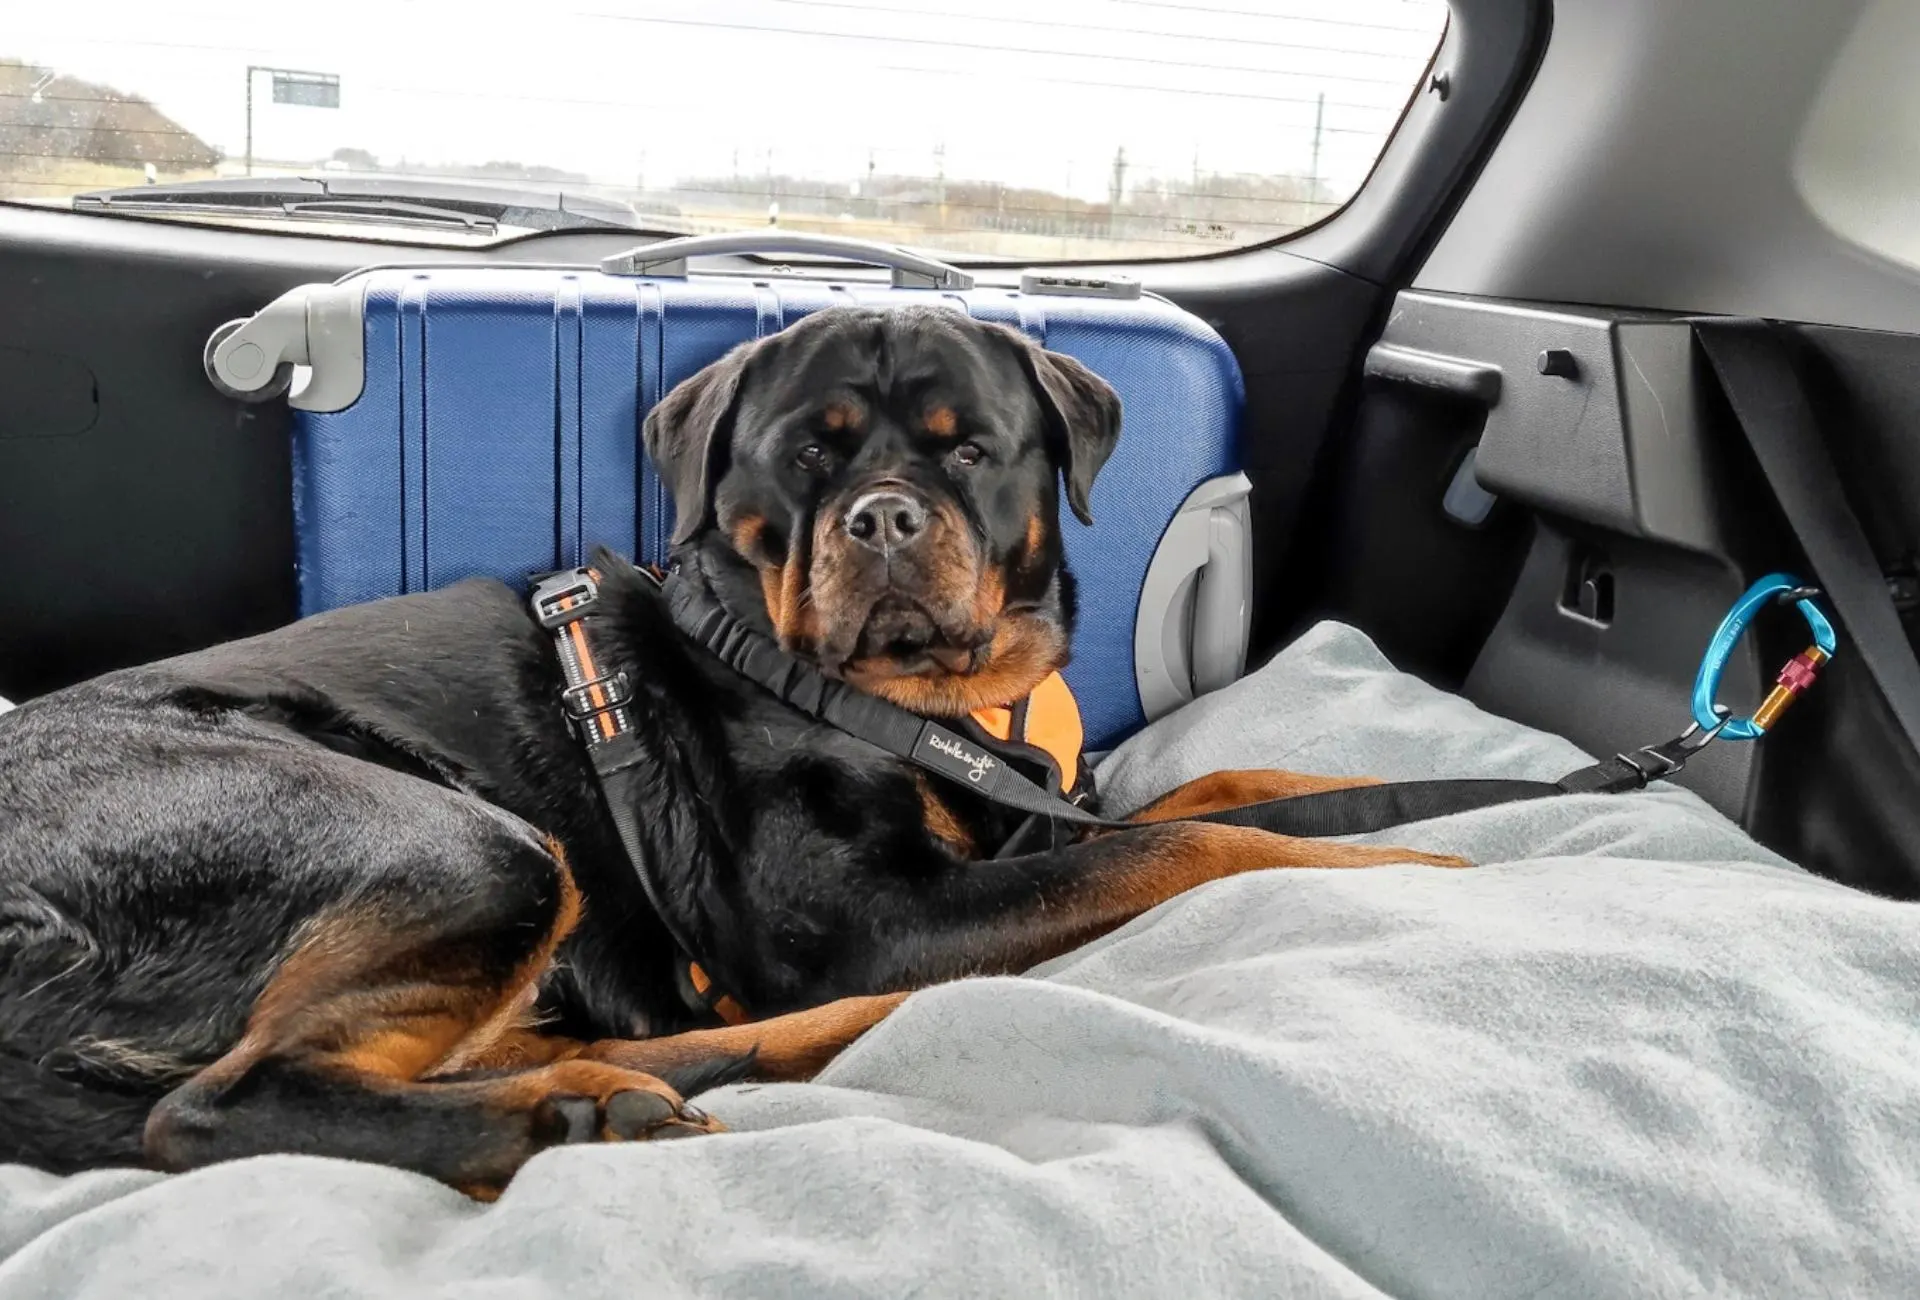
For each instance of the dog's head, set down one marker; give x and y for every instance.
(893, 476)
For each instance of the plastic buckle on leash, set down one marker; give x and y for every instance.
(616, 693)
(1655, 762)
(1792, 681)
(563, 598)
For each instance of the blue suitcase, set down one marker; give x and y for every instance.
(452, 421)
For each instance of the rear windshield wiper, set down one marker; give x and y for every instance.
(481, 209)
(380, 212)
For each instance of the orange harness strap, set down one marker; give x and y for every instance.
(723, 1006)
(1052, 724)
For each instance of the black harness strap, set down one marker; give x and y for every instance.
(598, 705)
(978, 766)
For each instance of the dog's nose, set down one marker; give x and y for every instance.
(886, 520)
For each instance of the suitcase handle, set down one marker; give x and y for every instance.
(668, 259)
(1190, 631)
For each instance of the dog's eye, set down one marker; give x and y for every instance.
(968, 453)
(811, 458)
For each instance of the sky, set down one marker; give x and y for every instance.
(1021, 91)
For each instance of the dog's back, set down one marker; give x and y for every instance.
(111, 916)
(167, 836)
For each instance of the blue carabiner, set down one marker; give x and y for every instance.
(1706, 684)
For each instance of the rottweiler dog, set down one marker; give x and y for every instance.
(350, 888)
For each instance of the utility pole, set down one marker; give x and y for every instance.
(940, 179)
(1066, 212)
(1116, 187)
(1319, 125)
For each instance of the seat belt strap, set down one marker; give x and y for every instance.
(1757, 372)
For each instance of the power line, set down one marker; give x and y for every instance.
(1395, 110)
(436, 93)
(1105, 30)
(945, 44)
(763, 29)
(1263, 13)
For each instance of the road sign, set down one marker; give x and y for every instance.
(308, 89)
(304, 89)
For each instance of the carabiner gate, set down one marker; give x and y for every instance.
(1792, 681)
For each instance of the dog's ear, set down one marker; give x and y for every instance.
(1084, 414)
(687, 435)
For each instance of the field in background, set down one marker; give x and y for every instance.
(55, 180)
(61, 136)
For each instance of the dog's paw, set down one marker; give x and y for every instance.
(629, 1115)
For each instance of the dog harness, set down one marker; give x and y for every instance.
(1042, 734)
(1027, 757)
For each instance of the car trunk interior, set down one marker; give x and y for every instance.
(1427, 336)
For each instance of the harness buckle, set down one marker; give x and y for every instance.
(1792, 680)
(616, 693)
(564, 598)
(1656, 762)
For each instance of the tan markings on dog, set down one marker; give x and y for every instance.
(575, 1077)
(843, 416)
(771, 583)
(402, 1029)
(834, 582)
(1033, 558)
(1024, 650)
(516, 1005)
(789, 601)
(941, 822)
(1237, 789)
(365, 1004)
(748, 532)
(941, 422)
(952, 560)
(355, 995)
(797, 616)
(1124, 873)
(519, 1048)
(846, 579)
(1177, 858)
(786, 1048)
(990, 598)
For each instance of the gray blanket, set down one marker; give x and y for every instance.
(1631, 1055)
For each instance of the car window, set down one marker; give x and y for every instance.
(1077, 129)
